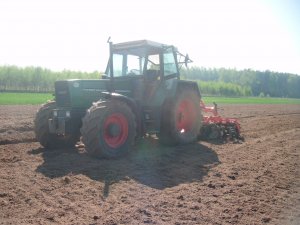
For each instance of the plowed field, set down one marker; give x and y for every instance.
(256, 182)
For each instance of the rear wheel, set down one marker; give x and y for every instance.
(181, 119)
(42, 133)
(108, 129)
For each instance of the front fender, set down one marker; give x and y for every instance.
(130, 102)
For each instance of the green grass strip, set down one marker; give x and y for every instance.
(250, 100)
(40, 98)
(24, 98)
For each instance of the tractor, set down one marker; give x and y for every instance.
(140, 94)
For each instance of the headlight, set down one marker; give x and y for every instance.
(55, 113)
(68, 114)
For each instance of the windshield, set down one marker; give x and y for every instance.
(127, 65)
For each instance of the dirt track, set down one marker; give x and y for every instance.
(257, 182)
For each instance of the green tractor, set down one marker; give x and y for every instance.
(141, 93)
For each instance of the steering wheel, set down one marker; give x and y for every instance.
(134, 72)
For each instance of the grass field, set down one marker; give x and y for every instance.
(39, 98)
(250, 100)
(24, 98)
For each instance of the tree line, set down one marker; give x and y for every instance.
(36, 79)
(245, 82)
(212, 81)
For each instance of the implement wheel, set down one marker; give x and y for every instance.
(108, 129)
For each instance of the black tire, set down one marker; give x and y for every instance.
(108, 129)
(41, 129)
(181, 119)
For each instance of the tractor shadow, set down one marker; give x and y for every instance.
(149, 163)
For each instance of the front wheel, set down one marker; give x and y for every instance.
(108, 129)
(42, 133)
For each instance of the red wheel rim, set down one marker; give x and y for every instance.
(185, 116)
(119, 124)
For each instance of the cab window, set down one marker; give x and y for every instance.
(153, 62)
(169, 64)
(135, 65)
(118, 64)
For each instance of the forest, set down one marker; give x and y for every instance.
(247, 82)
(212, 81)
(36, 79)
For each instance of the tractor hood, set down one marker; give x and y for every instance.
(79, 93)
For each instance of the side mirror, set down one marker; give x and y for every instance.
(187, 60)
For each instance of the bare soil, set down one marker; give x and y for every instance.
(256, 182)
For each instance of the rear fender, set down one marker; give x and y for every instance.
(175, 87)
(187, 85)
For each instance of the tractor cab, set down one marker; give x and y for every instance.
(142, 70)
(152, 60)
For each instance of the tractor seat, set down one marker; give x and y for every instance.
(152, 75)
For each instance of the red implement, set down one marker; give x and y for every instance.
(217, 127)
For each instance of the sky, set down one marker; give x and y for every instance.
(72, 34)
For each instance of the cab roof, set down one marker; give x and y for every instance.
(140, 47)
